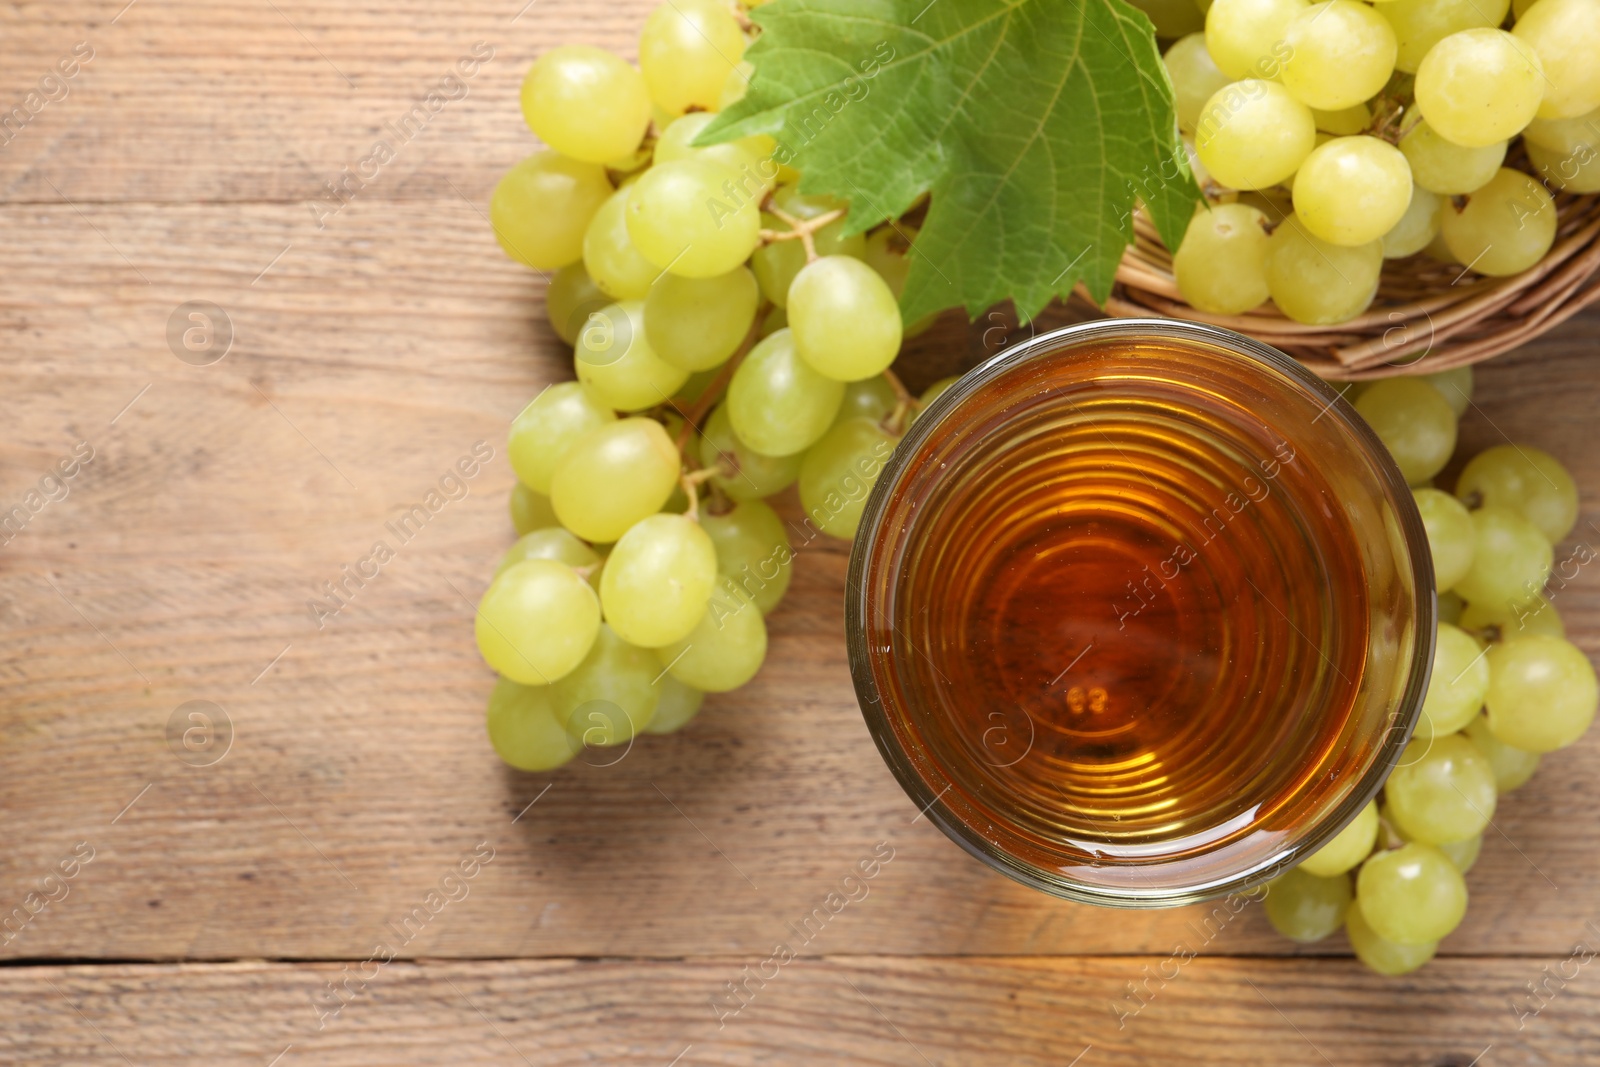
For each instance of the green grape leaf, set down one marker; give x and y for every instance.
(1034, 124)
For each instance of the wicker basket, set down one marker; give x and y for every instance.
(1428, 316)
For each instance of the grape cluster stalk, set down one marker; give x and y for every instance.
(731, 339)
(1506, 686)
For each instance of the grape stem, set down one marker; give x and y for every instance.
(691, 488)
(904, 404)
(803, 230)
(696, 412)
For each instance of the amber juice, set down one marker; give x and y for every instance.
(1139, 616)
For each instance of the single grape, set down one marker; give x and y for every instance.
(570, 299)
(536, 621)
(1384, 957)
(690, 218)
(1416, 229)
(1303, 907)
(586, 103)
(1196, 78)
(530, 511)
(1450, 536)
(1542, 693)
(870, 398)
(687, 50)
(776, 264)
(743, 473)
(1172, 18)
(1415, 423)
(1340, 53)
(615, 360)
(1412, 895)
(1442, 790)
(1352, 190)
(1346, 851)
(1512, 767)
(1315, 282)
(839, 472)
(845, 321)
(1501, 622)
(1564, 136)
(1221, 266)
(551, 543)
(749, 159)
(617, 267)
(1459, 683)
(1421, 24)
(541, 208)
(1463, 854)
(1246, 38)
(1505, 227)
(1511, 560)
(752, 551)
(1576, 172)
(726, 647)
(1565, 34)
(777, 404)
(1449, 169)
(614, 476)
(1525, 479)
(524, 730)
(697, 323)
(1456, 385)
(1254, 134)
(544, 432)
(658, 580)
(1345, 122)
(888, 251)
(678, 704)
(1479, 86)
(611, 696)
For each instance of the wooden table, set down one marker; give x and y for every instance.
(302, 900)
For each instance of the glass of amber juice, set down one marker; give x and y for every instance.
(1140, 613)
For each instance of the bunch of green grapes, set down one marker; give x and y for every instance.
(730, 339)
(1506, 688)
(1333, 136)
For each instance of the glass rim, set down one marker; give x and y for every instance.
(1397, 733)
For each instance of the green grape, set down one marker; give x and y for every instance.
(776, 264)
(1491, 623)
(1246, 37)
(845, 321)
(726, 647)
(1319, 283)
(1254, 134)
(1221, 266)
(1511, 560)
(541, 208)
(1421, 24)
(1459, 683)
(1527, 480)
(1506, 226)
(678, 704)
(1416, 229)
(609, 255)
(777, 319)
(536, 621)
(1415, 423)
(1303, 907)
(570, 299)
(1346, 851)
(552, 542)
(691, 391)
(743, 473)
(1463, 854)
(870, 398)
(1512, 767)
(737, 85)
(1195, 78)
(1542, 693)
(687, 50)
(1172, 18)
(614, 359)
(1345, 122)
(1384, 957)
(1412, 895)
(752, 551)
(1448, 169)
(1479, 86)
(1352, 190)
(1443, 790)
(748, 158)
(658, 580)
(777, 404)
(586, 103)
(1340, 54)
(611, 695)
(1439, 251)
(1564, 136)
(1450, 608)
(1456, 385)
(524, 730)
(530, 511)
(1450, 535)
(544, 432)
(1565, 34)
(888, 251)
(697, 323)
(929, 395)
(615, 476)
(689, 218)
(1576, 172)
(839, 472)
